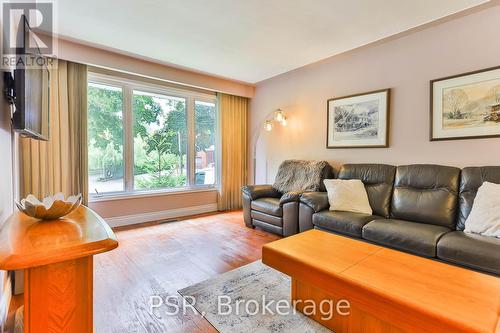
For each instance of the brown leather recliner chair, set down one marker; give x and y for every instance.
(275, 208)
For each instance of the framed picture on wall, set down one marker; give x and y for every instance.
(466, 106)
(358, 121)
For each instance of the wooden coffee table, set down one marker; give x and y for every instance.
(388, 290)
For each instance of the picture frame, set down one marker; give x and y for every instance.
(465, 106)
(359, 121)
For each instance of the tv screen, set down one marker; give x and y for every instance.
(32, 88)
(31, 117)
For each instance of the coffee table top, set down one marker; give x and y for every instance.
(370, 273)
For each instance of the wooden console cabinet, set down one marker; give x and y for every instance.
(57, 259)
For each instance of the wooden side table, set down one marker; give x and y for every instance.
(57, 259)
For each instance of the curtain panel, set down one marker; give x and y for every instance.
(60, 164)
(233, 112)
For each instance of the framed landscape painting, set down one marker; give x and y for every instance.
(359, 121)
(466, 106)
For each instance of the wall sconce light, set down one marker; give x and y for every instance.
(279, 116)
(272, 118)
(268, 125)
(284, 121)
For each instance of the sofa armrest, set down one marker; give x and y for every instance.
(318, 201)
(260, 191)
(292, 196)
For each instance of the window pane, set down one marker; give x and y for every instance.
(105, 138)
(160, 141)
(205, 121)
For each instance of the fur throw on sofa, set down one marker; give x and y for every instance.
(298, 175)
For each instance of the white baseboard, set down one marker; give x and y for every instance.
(119, 221)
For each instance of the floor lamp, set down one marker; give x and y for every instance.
(272, 117)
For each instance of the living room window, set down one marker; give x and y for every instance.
(149, 138)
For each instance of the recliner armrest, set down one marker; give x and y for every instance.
(260, 191)
(318, 201)
(292, 196)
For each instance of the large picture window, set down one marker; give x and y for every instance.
(146, 137)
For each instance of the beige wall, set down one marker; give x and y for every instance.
(89, 55)
(133, 206)
(406, 65)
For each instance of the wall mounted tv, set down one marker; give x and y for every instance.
(32, 88)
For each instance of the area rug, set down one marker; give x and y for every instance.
(253, 286)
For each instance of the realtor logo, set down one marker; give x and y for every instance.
(27, 28)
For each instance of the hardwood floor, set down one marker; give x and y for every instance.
(161, 259)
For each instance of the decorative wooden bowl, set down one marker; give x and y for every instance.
(51, 207)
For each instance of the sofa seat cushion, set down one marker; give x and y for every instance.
(268, 205)
(475, 251)
(414, 237)
(346, 223)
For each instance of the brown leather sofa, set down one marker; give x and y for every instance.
(420, 209)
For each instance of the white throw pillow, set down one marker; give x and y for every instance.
(348, 196)
(484, 218)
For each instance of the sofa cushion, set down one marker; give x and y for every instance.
(346, 223)
(408, 236)
(268, 206)
(484, 218)
(347, 195)
(475, 251)
(471, 179)
(378, 180)
(426, 194)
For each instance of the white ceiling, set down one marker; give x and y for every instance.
(246, 40)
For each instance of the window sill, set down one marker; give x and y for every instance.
(146, 194)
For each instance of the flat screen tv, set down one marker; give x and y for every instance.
(32, 88)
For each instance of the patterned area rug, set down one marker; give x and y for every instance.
(254, 285)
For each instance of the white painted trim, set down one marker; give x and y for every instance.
(160, 215)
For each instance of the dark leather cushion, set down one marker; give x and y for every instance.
(318, 201)
(342, 222)
(426, 193)
(268, 205)
(472, 178)
(378, 180)
(260, 191)
(408, 236)
(475, 251)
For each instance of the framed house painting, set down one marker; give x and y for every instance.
(466, 106)
(359, 121)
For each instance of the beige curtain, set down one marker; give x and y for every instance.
(233, 111)
(60, 164)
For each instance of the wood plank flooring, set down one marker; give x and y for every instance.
(161, 259)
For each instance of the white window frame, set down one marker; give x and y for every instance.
(128, 86)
